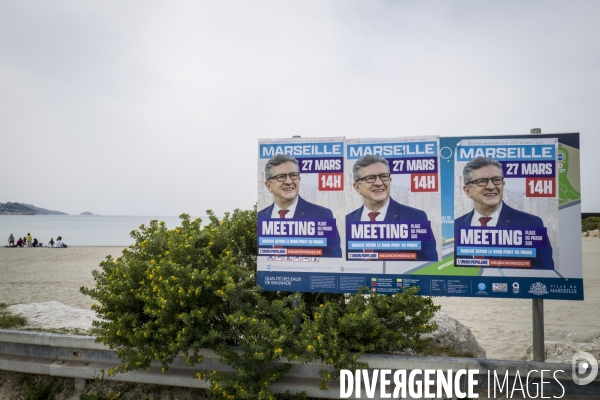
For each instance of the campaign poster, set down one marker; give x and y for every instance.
(393, 204)
(506, 205)
(300, 212)
(543, 187)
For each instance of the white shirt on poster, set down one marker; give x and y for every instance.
(382, 211)
(492, 222)
(291, 209)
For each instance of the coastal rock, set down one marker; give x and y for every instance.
(53, 315)
(585, 234)
(454, 336)
(594, 233)
(563, 349)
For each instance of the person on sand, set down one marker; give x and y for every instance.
(20, 242)
(35, 242)
(11, 240)
(51, 242)
(29, 239)
(59, 242)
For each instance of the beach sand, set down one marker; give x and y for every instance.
(503, 327)
(37, 275)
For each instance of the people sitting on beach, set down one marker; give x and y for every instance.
(35, 242)
(11, 240)
(59, 242)
(51, 242)
(29, 239)
(20, 242)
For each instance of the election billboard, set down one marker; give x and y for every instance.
(476, 216)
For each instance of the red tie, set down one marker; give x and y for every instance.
(484, 221)
(373, 215)
(282, 213)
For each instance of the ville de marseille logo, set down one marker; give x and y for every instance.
(538, 289)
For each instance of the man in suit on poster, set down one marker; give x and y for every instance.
(372, 179)
(484, 184)
(282, 176)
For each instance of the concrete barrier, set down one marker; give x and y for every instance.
(81, 358)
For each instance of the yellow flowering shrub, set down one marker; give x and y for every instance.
(176, 291)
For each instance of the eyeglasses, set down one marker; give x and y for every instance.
(483, 182)
(373, 178)
(283, 177)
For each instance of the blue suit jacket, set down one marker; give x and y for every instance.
(307, 210)
(511, 217)
(399, 212)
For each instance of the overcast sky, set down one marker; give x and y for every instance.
(154, 108)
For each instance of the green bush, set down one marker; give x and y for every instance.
(590, 223)
(193, 287)
(339, 332)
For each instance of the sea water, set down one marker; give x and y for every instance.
(78, 230)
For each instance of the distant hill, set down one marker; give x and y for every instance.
(25, 209)
(87, 213)
(15, 209)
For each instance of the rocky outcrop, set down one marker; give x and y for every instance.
(594, 233)
(563, 345)
(53, 315)
(453, 336)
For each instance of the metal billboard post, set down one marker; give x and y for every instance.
(537, 310)
(539, 353)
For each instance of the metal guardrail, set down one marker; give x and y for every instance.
(81, 358)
